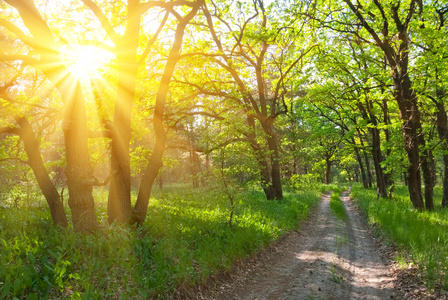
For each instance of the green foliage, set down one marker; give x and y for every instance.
(422, 236)
(300, 181)
(185, 239)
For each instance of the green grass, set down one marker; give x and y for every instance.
(185, 239)
(336, 205)
(421, 237)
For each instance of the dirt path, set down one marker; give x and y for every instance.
(327, 259)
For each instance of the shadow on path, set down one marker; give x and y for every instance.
(327, 259)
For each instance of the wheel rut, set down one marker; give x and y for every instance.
(327, 259)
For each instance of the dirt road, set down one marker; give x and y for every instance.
(327, 259)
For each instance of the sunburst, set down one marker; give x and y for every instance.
(85, 62)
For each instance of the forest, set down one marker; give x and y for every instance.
(147, 144)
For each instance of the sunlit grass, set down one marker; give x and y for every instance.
(185, 238)
(336, 205)
(422, 237)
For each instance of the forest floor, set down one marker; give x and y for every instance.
(327, 259)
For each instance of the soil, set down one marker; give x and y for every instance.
(327, 259)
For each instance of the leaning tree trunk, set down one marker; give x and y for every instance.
(155, 161)
(36, 163)
(78, 170)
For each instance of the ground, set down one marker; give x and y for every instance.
(326, 259)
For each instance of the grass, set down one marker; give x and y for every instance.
(336, 205)
(421, 237)
(185, 239)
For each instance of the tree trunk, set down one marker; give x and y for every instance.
(328, 169)
(361, 168)
(148, 178)
(78, 171)
(413, 176)
(377, 159)
(398, 61)
(160, 174)
(386, 120)
(442, 130)
(412, 135)
(155, 161)
(445, 181)
(275, 166)
(265, 172)
(40, 172)
(428, 167)
(119, 207)
(366, 160)
(369, 171)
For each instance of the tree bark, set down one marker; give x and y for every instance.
(78, 169)
(428, 167)
(445, 181)
(155, 161)
(365, 184)
(36, 163)
(398, 61)
(265, 173)
(328, 168)
(275, 165)
(367, 161)
(119, 207)
(442, 130)
(377, 159)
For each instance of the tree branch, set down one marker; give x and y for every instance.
(107, 26)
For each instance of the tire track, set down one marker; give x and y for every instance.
(327, 259)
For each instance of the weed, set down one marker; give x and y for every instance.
(336, 278)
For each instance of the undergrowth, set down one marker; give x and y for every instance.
(185, 238)
(421, 237)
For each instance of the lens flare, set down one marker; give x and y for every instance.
(85, 62)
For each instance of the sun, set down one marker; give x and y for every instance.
(85, 62)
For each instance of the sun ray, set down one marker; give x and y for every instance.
(85, 62)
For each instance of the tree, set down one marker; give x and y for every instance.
(262, 46)
(382, 25)
(78, 169)
(47, 57)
